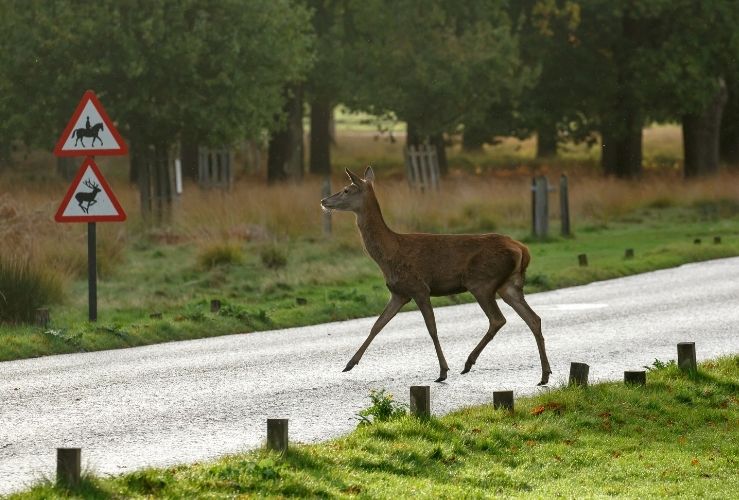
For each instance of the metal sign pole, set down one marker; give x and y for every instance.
(92, 271)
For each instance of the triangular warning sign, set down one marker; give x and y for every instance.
(89, 198)
(90, 132)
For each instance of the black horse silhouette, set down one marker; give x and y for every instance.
(93, 132)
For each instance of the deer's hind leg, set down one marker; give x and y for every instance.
(486, 299)
(391, 309)
(512, 294)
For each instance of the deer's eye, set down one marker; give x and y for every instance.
(346, 191)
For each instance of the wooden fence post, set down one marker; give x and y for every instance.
(579, 373)
(68, 467)
(503, 399)
(686, 356)
(717, 240)
(215, 305)
(421, 401)
(541, 207)
(325, 193)
(582, 260)
(277, 436)
(638, 377)
(564, 205)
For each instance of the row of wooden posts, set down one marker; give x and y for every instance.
(69, 460)
(582, 259)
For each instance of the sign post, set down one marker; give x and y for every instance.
(89, 198)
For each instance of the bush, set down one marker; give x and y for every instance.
(273, 257)
(383, 408)
(24, 287)
(219, 255)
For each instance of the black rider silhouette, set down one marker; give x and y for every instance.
(87, 124)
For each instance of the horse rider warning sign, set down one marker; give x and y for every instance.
(90, 132)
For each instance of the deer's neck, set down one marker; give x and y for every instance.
(379, 241)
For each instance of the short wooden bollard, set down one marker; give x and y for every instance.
(68, 467)
(629, 253)
(697, 241)
(579, 373)
(686, 356)
(42, 317)
(215, 305)
(156, 315)
(277, 434)
(638, 377)
(582, 259)
(716, 240)
(503, 400)
(421, 401)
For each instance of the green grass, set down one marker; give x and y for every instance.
(307, 281)
(676, 436)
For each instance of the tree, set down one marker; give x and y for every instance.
(434, 64)
(215, 68)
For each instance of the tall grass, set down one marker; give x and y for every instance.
(24, 287)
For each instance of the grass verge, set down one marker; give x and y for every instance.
(304, 281)
(676, 436)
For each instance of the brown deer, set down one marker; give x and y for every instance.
(419, 266)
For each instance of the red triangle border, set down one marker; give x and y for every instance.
(90, 95)
(60, 217)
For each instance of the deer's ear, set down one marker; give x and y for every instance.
(369, 174)
(354, 177)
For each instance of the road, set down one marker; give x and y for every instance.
(194, 400)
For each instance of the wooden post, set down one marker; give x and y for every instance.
(68, 467)
(638, 377)
(421, 401)
(582, 259)
(155, 315)
(42, 317)
(686, 356)
(215, 305)
(717, 240)
(326, 192)
(564, 205)
(697, 241)
(541, 207)
(579, 373)
(503, 399)
(629, 253)
(277, 434)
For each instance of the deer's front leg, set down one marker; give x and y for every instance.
(391, 309)
(424, 304)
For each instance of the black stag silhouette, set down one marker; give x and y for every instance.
(88, 198)
(80, 133)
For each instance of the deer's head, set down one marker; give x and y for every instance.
(352, 197)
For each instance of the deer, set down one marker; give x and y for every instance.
(88, 198)
(417, 266)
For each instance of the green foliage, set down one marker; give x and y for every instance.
(382, 409)
(273, 256)
(660, 365)
(219, 255)
(24, 287)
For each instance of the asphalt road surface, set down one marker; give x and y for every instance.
(195, 400)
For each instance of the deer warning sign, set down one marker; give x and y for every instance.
(89, 198)
(90, 132)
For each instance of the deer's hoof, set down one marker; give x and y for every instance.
(442, 376)
(544, 378)
(349, 366)
(467, 368)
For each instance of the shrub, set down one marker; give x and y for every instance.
(382, 409)
(24, 287)
(273, 257)
(218, 255)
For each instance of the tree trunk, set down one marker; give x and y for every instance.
(136, 152)
(412, 138)
(437, 140)
(729, 135)
(156, 182)
(285, 152)
(66, 167)
(701, 137)
(622, 143)
(6, 153)
(320, 135)
(189, 156)
(546, 140)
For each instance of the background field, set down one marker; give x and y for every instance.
(260, 248)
